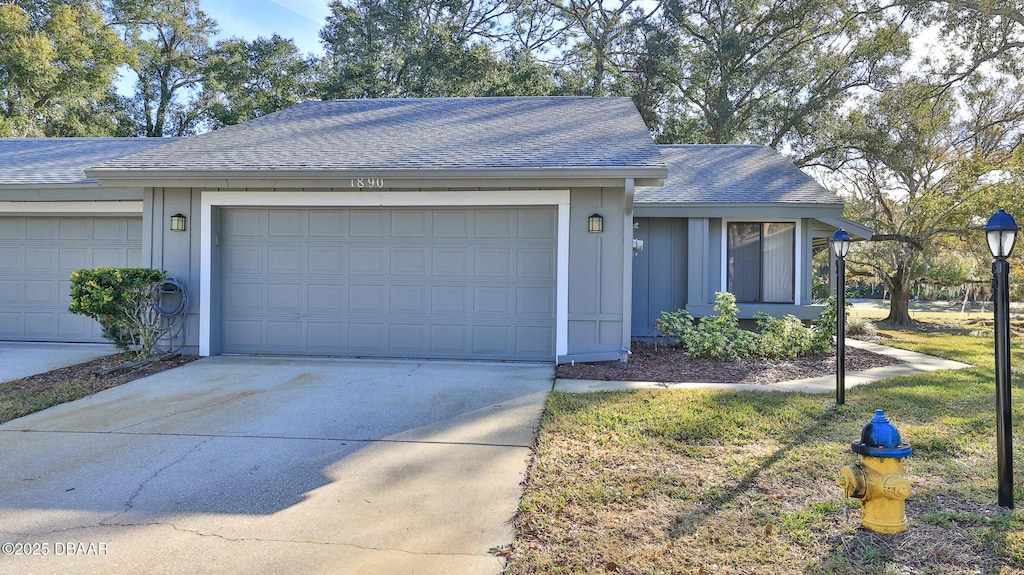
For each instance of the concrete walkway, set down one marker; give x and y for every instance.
(914, 363)
(21, 359)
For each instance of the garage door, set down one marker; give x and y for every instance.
(37, 256)
(420, 283)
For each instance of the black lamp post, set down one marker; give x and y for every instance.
(841, 247)
(1001, 231)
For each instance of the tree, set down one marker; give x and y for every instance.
(419, 48)
(169, 40)
(246, 80)
(973, 34)
(757, 71)
(920, 169)
(57, 64)
(595, 31)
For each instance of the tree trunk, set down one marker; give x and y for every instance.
(899, 303)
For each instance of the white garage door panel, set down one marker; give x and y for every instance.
(37, 256)
(452, 283)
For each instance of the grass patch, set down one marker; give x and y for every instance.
(704, 481)
(21, 397)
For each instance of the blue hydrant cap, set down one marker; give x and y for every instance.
(880, 439)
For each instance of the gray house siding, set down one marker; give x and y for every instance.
(175, 252)
(598, 323)
(701, 240)
(659, 271)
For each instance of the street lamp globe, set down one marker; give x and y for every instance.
(1001, 231)
(841, 243)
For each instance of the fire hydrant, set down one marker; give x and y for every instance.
(877, 479)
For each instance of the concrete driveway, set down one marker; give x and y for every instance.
(20, 359)
(257, 465)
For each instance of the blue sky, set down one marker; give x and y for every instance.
(300, 20)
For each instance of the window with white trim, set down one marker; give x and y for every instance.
(760, 259)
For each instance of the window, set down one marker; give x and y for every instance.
(761, 261)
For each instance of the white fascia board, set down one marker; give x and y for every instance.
(858, 231)
(84, 208)
(507, 198)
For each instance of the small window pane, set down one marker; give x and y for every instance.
(744, 261)
(777, 258)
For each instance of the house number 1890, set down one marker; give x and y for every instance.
(367, 182)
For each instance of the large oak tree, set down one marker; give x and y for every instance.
(58, 60)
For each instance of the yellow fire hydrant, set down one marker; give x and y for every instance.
(877, 479)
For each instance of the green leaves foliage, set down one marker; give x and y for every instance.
(246, 80)
(121, 300)
(57, 63)
(719, 336)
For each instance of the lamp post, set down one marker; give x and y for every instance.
(841, 247)
(1001, 231)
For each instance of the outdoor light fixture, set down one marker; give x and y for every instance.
(841, 243)
(624, 359)
(177, 223)
(1001, 231)
(595, 224)
(841, 247)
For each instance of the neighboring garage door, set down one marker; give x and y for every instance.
(421, 283)
(37, 256)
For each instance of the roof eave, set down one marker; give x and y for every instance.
(642, 175)
(85, 184)
(734, 210)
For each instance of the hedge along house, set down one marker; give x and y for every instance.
(54, 220)
(426, 228)
(735, 218)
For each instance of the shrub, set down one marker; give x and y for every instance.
(719, 336)
(825, 328)
(785, 337)
(122, 301)
(675, 325)
(860, 326)
(716, 336)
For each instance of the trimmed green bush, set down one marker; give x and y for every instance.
(122, 301)
(720, 337)
(786, 337)
(716, 336)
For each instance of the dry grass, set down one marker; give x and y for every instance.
(744, 483)
(37, 392)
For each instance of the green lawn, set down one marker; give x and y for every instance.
(949, 312)
(744, 482)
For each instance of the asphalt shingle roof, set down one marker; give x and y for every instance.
(709, 173)
(429, 133)
(42, 161)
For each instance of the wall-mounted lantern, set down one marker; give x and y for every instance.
(595, 224)
(178, 223)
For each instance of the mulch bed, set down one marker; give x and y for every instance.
(93, 371)
(670, 364)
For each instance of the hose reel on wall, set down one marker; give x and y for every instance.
(171, 305)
